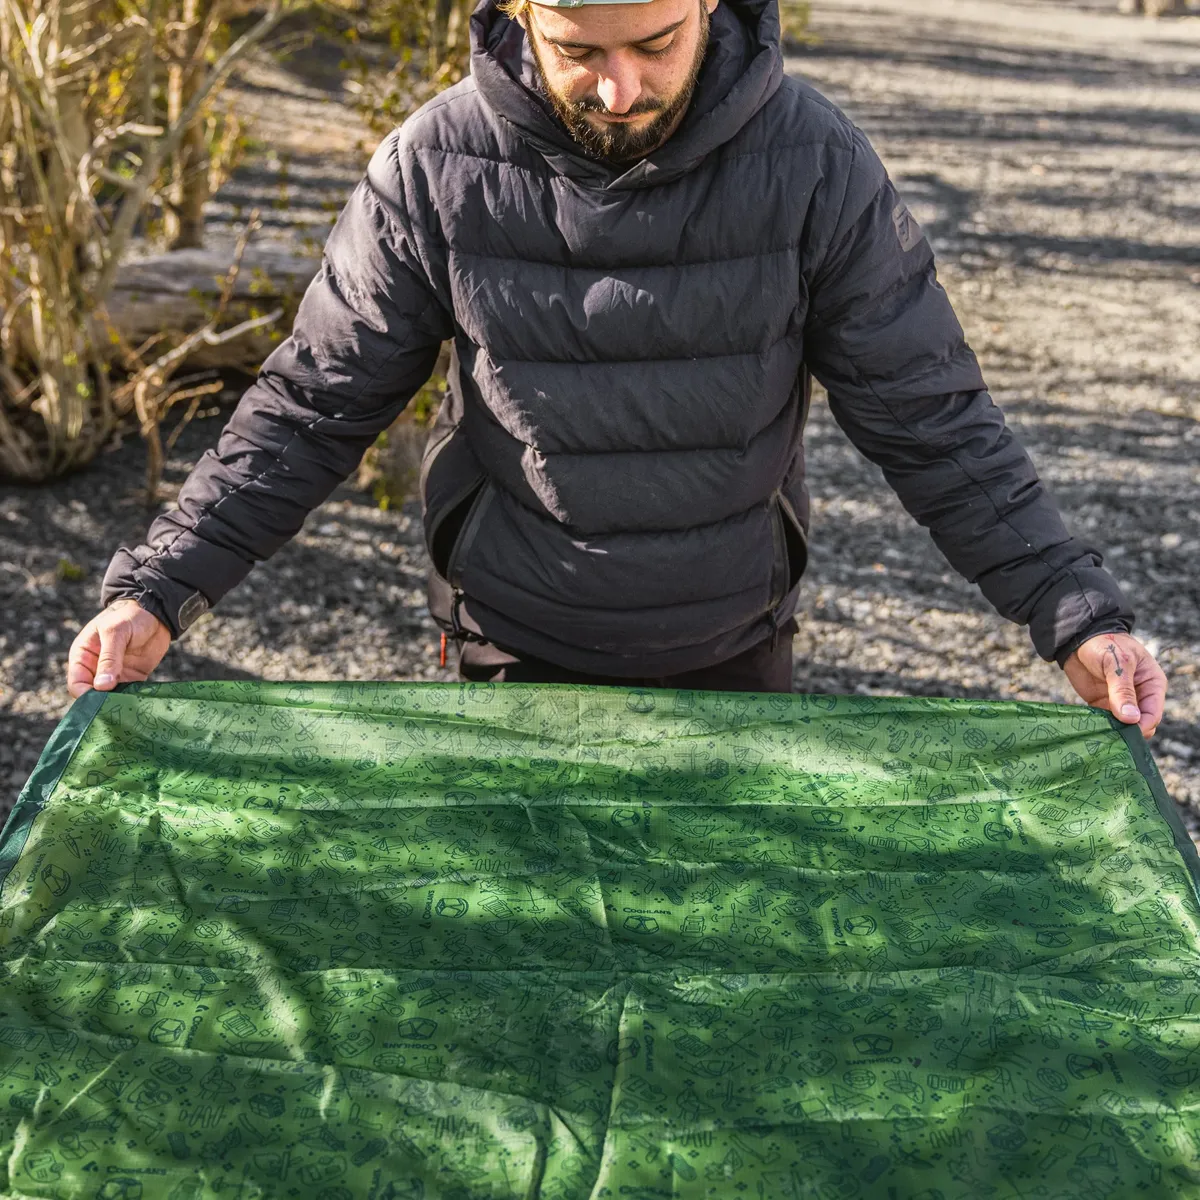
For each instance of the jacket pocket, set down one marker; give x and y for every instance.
(444, 528)
(790, 549)
(473, 511)
(451, 479)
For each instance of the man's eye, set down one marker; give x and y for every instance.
(650, 50)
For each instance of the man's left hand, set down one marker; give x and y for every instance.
(1115, 671)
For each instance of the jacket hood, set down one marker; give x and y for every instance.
(740, 73)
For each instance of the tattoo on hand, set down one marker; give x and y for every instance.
(1117, 669)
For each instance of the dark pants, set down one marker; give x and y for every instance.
(762, 668)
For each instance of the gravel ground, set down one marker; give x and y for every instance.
(1052, 152)
(1059, 186)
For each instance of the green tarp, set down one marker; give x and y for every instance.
(472, 942)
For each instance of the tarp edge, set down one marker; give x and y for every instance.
(1143, 760)
(45, 776)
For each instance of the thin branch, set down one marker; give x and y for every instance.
(247, 326)
(209, 337)
(17, 391)
(196, 395)
(138, 127)
(126, 182)
(252, 226)
(81, 53)
(16, 448)
(196, 377)
(85, 165)
(27, 97)
(28, 33)
(159, 150)
(132, 360)
(103, 383)
(216, 15)
(52, 216)
(19, 394)
(47, 118)
(26, 293)
(157, 372)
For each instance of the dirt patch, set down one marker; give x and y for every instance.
(1052, 152)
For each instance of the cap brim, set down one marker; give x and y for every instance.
(581, 3)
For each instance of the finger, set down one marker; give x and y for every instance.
(113, 640)
(81, 661)
(1118, 674)
(1152, 695)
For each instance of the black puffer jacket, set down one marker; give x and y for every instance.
(616, 482)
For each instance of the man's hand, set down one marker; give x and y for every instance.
(121, 644)
(1115, 671)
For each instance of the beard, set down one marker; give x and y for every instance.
(615, 143)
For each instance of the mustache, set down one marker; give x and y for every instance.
(593, 104)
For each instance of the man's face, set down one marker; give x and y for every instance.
(620, 76)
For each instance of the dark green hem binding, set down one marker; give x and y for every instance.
(1139, 751)
(45, 776)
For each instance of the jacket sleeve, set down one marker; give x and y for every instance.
(907, 390)
(365, 339)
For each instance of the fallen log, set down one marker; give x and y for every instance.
(176, 291)
(1155, 8)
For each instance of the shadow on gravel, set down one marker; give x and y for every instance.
(949, 229)
(1092, 202)
(927, 47)
(1113, 127)
(311, 54)
(1041, 251)
(307, 187)
(183, 666)
(24, 736)
(1160, 440)
(832, 679)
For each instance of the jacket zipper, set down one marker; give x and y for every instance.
(786, 505)
(779, 558)
(781, 505)
(457, 554)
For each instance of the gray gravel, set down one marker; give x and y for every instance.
(1052, 153)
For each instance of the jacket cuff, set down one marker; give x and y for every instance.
(175, 604)
(1084, 601)
(1114, 626)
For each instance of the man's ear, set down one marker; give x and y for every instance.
(711, 5)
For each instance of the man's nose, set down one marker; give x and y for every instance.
(618, 84)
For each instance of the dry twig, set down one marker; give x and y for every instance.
(148, 389)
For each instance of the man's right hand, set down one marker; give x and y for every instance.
(121, 644)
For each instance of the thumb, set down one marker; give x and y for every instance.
(113, 641)
(1118, 674)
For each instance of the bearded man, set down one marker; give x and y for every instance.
(641, 237)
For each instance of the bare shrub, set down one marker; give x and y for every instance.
(430, 43)
(79, 165)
